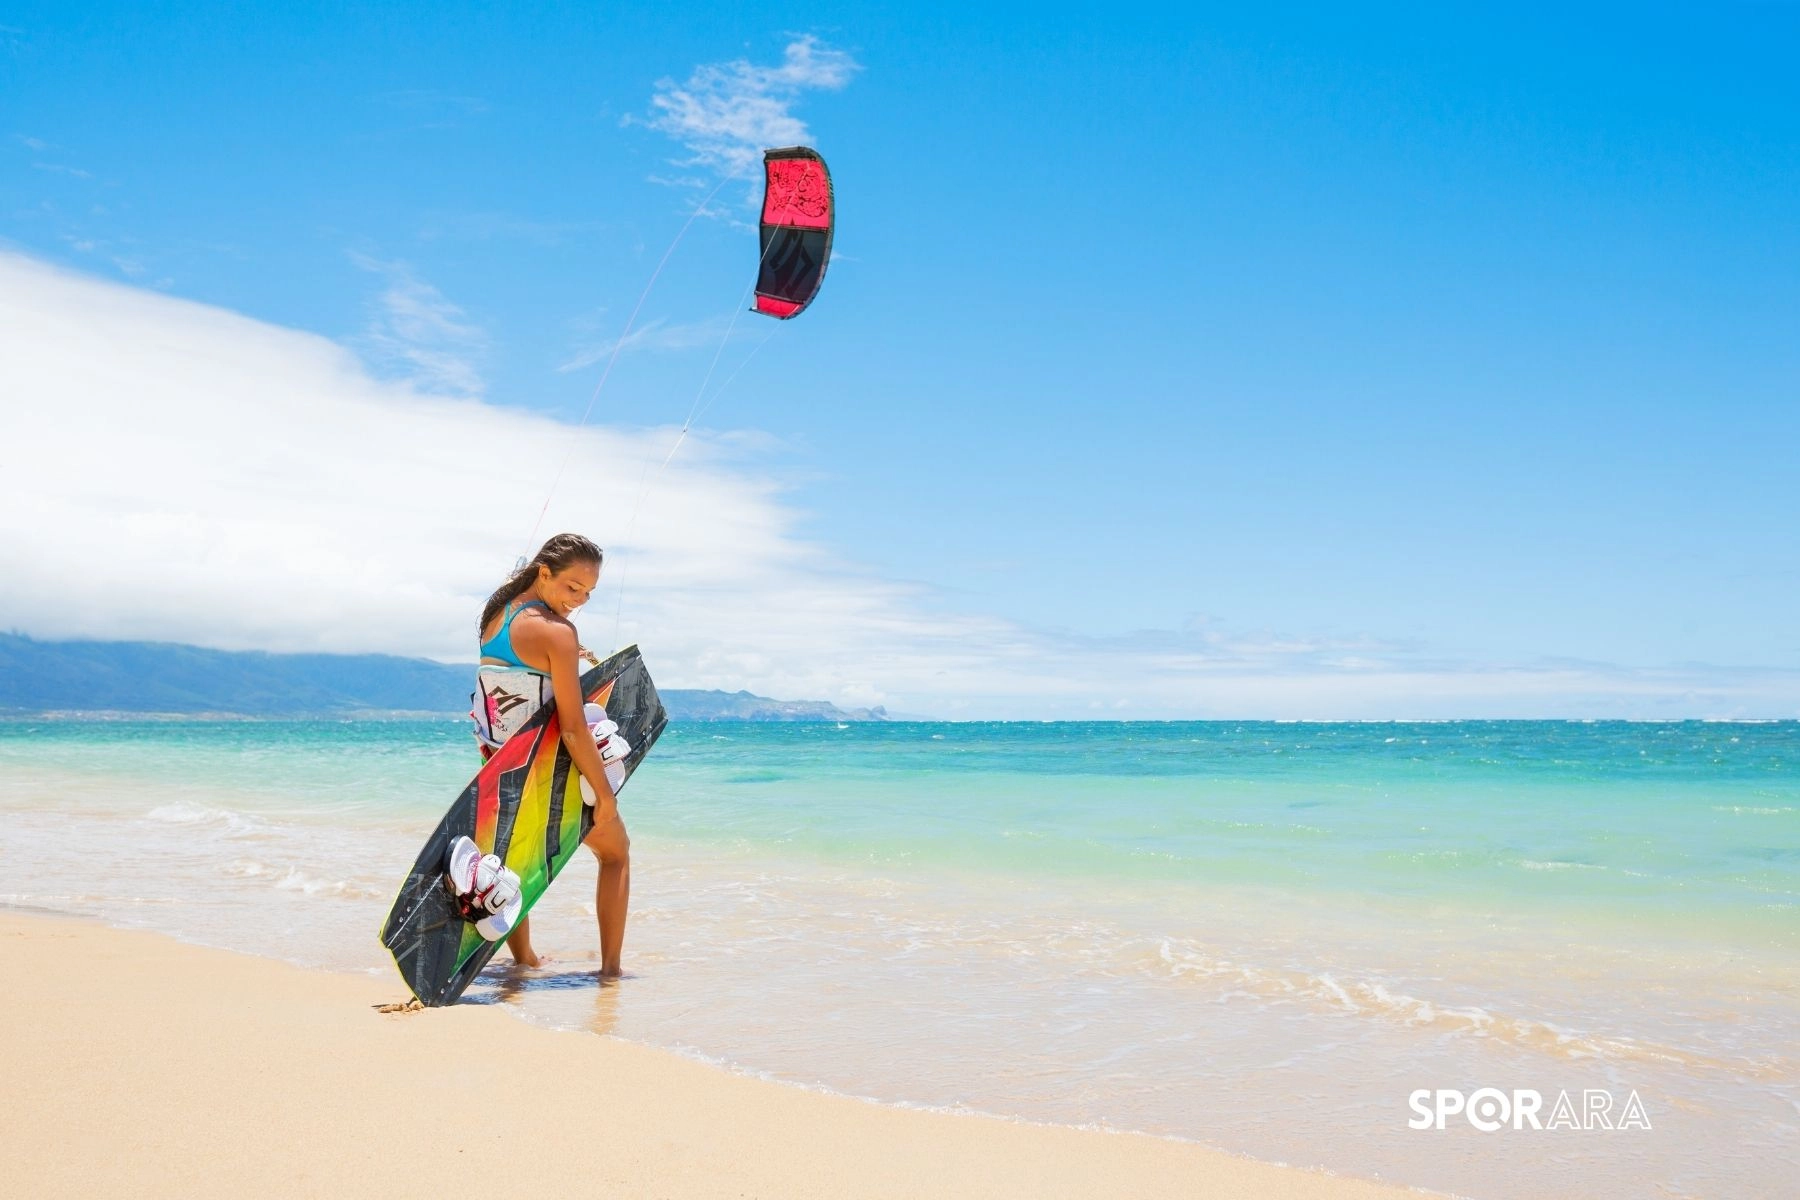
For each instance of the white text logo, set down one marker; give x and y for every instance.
(1490, 1109)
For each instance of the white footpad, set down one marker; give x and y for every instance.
(613, 750)
(486, 891)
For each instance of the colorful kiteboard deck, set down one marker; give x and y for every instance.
(525, 805)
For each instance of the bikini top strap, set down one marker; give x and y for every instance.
(512, 611)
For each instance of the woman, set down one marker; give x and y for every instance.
(529, 654)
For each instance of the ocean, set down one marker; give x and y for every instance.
(1266, 937)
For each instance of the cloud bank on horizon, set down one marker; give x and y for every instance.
(175, 471)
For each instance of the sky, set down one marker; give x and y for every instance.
(1174, 362)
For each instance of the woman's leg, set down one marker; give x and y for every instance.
(519, 942)
(612, 895)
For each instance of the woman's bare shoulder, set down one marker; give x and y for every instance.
(547, 629)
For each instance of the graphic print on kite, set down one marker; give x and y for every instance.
(797, 220)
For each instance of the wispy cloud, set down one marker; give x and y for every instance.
(127, 262)
(657, 335)
(726, 114)
(83, 224)
(423, 336)
(38, 146)
(323, 509)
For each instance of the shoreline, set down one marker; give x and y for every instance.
(170, 1068)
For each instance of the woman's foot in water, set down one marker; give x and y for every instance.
(519, 942)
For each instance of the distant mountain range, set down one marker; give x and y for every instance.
(166, 677)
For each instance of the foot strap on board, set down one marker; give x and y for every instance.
(483, 889)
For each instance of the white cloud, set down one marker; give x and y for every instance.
(174, 471)
(657, 336)
(415, 330)
(727, 114)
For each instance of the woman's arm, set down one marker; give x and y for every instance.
(565, 683)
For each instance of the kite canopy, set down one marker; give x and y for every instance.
(797, 217)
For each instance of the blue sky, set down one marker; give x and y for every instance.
(1457, 337)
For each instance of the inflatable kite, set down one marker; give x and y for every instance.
(797, 217)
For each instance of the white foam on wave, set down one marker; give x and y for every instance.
(1752, 810)
(296, 880)
(293, 879)
(182, 813)
(1531, 864)
(1373, 998)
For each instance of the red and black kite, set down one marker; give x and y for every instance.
(797, 217)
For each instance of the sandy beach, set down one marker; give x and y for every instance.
(172, 1069)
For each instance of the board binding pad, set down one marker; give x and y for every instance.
(524, 805)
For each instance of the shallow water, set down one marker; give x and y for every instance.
(1260, 936)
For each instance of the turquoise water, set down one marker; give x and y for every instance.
(1695, 823)
(1108, 923)
(1689, 822)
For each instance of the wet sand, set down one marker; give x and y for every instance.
(144, 1063)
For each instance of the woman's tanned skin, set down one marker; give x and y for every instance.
(546, 641)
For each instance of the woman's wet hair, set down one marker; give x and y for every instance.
(560, 552)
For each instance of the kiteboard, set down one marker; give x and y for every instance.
(525, 806)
